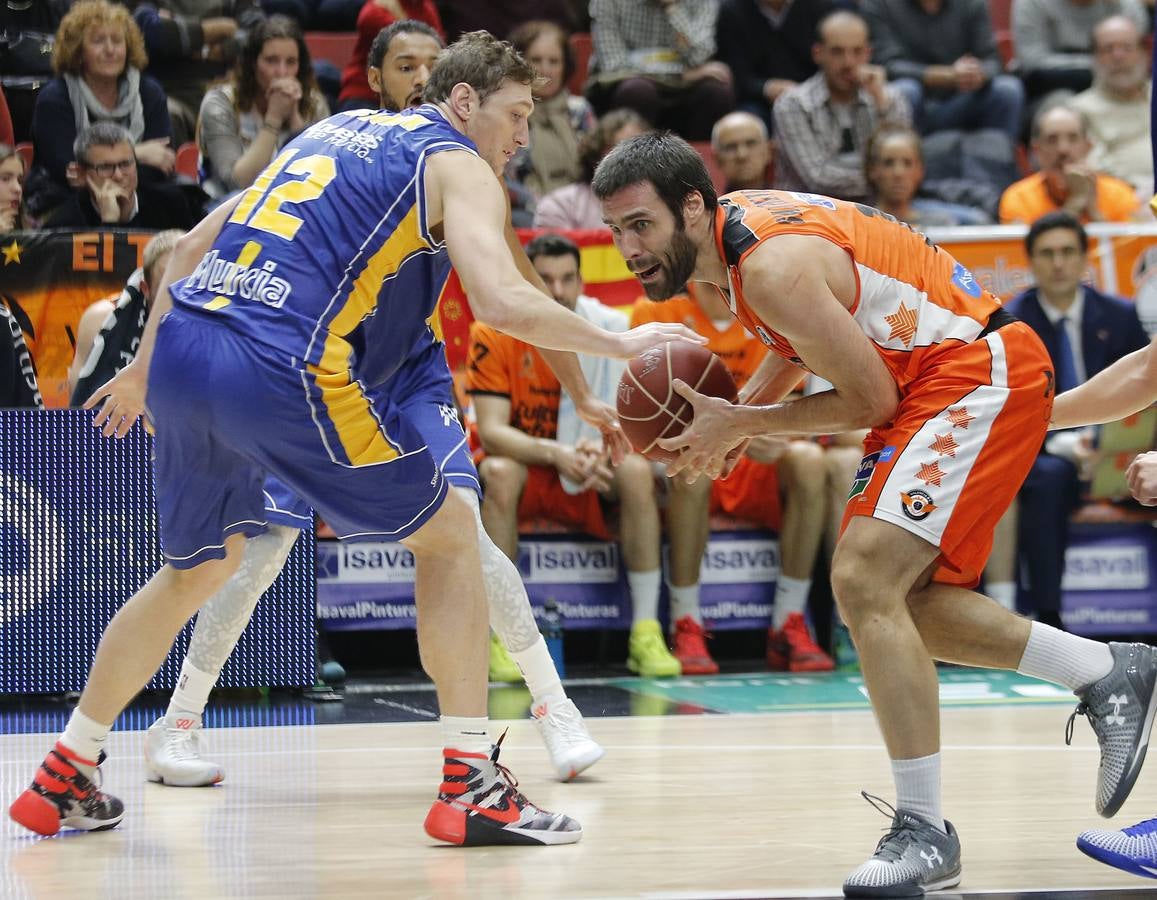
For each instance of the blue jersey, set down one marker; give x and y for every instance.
(304, 266)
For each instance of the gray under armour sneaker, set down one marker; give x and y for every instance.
(1120, 708)
(914, 856)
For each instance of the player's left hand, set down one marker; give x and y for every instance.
(124, 400)
(1141, 477)
(602, 416)
(705, 446)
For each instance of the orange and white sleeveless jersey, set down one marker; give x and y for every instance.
(914, 301)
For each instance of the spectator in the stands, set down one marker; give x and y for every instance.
(560, 118)
(11, 189)
(942, 55)
(500, 17)
(18, 386)
(575, 206)
(270, 98)
(119, 322)
(656, 58)
(5, 122)
(894, 166)
(1117, 105)
(742, 150)
(112, 196)
(192, 43)
(767, 44)
(822, 126)
(375, 16)
(1054, 40)
(1084, 331)
(30, 30)
(99, 58)
(1066, 181)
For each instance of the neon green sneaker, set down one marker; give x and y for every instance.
(502, 667)
(647, 653)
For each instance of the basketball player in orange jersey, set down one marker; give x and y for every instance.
(958, 396)
(752, 493)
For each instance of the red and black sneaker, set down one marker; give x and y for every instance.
(690, 648)
(793, 649)
(480, 804)
(61, 796)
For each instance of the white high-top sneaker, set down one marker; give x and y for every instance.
(173, 754)
(570, 745)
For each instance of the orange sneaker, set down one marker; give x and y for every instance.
(691, 648)
(479, 804)
(62, 796)
(793, 649)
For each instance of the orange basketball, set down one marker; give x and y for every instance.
(649, 408)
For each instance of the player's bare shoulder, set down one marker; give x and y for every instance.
(460, 175)
(783, 265)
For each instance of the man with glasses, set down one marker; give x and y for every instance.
(114, 198)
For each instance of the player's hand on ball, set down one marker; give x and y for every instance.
(705, 446)
(1141, 477)
(654, 334)
(124, 401)
(604, 417)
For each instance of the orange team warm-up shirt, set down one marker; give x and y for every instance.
(913, 301)
(1027, 200)
(507, 367)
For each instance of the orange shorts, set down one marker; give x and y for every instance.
(545, 498)
(965, 436)
(751, 493)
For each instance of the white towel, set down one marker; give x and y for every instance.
(601, 373)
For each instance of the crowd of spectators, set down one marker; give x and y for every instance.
(920, 107)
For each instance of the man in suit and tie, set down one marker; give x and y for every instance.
(1085, 331)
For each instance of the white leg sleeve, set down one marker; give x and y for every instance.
(224, 616)
(510, 613)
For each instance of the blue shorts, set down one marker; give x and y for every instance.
(229, 411)
(424, 392)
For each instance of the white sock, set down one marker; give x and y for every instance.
(1063, 658)
(539, 672)
(1004, 593)
(85, 738)
(918, 787)
(790, 597)
(466, 733)
(685, 602)
(644, 587)
(192, 692)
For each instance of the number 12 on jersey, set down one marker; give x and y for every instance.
(318, 171)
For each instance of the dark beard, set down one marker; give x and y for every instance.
(677, 270)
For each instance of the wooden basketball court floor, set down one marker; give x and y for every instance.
(752, 793)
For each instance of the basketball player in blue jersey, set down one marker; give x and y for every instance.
(273, 316)
(399, 65)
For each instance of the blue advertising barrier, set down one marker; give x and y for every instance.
(1108, 582)
(371, 585)
(78, 536)
(1109, 587)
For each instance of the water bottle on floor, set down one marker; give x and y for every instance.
(552, 633)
